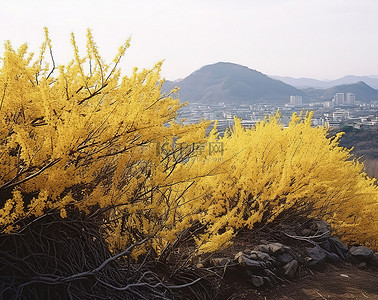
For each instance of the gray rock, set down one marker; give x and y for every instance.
(262, 256)
(246, 262)
(338, 247)
(317, 253)
(332, 257)
(321, 226)
(237, 255)
(374, 261)
(326, 245)
(262, 248)
(316, 257)
(352, 259)
(257, 281)
(315, 264)
(253, 256)
(284, 258)
(291, 269)
(269, 265)
(337, 243)
(321, 229)
(219, 262)
(276, 248)
(362, 252)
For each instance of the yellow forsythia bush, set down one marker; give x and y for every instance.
(264, 172)
(82, 138)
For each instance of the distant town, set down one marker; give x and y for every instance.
(223, 90)
(343, 110)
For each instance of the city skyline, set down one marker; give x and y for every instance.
(318, 39)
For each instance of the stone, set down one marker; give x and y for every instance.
(276, 248)
(219, 262)
(284, 258)
(237, 255)
(321, 226)
(332, 257)
(338, 247)
(269, 265)
(317, 253)
(316, 257)
(262, 248)
(362, 252)
(253, 255)
(246, 262)
(321, 229)
(291, 269)
(257, 281)
(326, 245)
(262, 255)
(352, 259)
(374, 261)
(337, 243)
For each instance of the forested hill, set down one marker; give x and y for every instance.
(228, 82)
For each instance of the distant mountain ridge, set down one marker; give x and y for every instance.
(228, 82)
(232, 83)
(360, 89)
(315, 83)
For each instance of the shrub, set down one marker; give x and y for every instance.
(91, 144)
(271, 171)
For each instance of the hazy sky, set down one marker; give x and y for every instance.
(300, 38)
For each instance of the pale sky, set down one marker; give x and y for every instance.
(323, 39)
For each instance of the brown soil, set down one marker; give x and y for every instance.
(335, 282)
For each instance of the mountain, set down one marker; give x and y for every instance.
(303, 82)
(228, 82)
(362, 91)
(314, 83)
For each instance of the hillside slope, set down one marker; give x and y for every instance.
(362, 91)
(228, 82)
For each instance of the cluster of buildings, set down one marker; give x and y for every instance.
(342, 110)
(295, 100)
(341, 99)
(344, 99)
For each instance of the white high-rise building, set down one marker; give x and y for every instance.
(294, 100)
(339, 98)
(350, 98)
